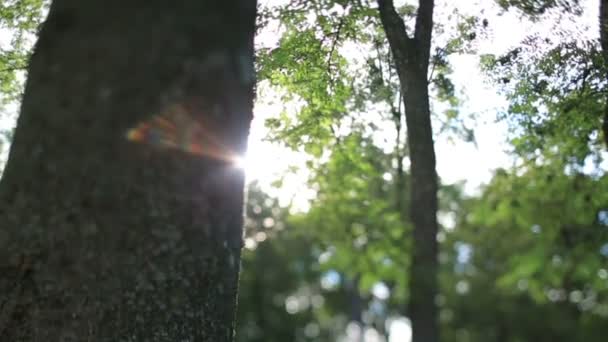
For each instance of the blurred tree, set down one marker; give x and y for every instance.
(556, 99)
(280, 294)
(318, 66)
(355, 217)
(309, 276)
(551, 206)
(530, 254)
(558, 87)
(105, 239)
(509, 270)
(411, 52)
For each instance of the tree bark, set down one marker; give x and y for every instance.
(105, 239)
(411, 57)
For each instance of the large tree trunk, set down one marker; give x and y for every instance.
(411, 57)
(105, 239)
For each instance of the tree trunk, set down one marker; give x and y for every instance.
(106, 239)
(411, 57)
(355, 305)
(604, 44)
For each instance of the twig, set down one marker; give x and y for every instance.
(333, 46)
(13, 68)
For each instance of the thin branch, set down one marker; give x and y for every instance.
(433, 65)
(333, 47)
(380, 66)
(584, 78)
(430, 77)
(14, 68)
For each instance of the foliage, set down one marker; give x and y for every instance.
(526, 259)
(557, 98)
(355, 216)
(335, 68)
(539, 7)
(19, 21)
(285, 294)
(558, 218)
(299, 65)
(530, 253)
(270, 278)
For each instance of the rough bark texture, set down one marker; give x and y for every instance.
(412, 60)
(103, 239)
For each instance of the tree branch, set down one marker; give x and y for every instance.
(333, 47)
(396, 33)
(430, 77)
(13, 68)
(424, 29)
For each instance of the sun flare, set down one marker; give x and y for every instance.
(240, 162)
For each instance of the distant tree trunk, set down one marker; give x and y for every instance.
(355, 303)
(106, 239)
(411, 55)
(604, 43)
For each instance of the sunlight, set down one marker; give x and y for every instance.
(278, 170)
(400, 330)
(240, 162)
